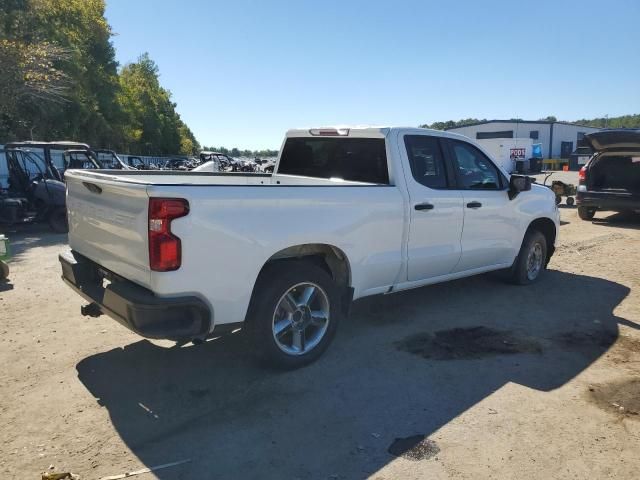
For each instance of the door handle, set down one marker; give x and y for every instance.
(424, 206)
(474, 205)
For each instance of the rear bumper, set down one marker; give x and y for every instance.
(135, 307)
(608, 200)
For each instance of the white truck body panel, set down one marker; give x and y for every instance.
(238, 222)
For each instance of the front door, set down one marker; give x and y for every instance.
(435, 209)
(490, 231)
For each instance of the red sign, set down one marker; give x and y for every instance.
(518, 153)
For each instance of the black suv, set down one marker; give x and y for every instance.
(611, 178)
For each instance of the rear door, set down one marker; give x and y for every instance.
(435, 209)
(490, 231)
(108, 223)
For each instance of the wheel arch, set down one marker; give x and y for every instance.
(328, 257)
(548, 228)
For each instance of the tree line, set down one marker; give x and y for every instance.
(624, 121)
(59, 79)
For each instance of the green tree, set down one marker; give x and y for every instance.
(77, 28)
(151, 123)
(59, 79)
(452, 124)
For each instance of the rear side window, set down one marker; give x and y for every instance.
(426, 160)
(353, 159)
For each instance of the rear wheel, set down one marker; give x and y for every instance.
(58, 220)
(531, 261)
(586, 213)
(294, 314)
(570, 201)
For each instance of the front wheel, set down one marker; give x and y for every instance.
(531, 261)
(294, 314)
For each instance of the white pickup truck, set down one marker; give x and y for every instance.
(348, 212)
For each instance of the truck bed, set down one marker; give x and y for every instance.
(146, 177)
(231, 231)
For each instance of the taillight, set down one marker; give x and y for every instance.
(582, 175)
(165, 250)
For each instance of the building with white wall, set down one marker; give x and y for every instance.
(558, 139)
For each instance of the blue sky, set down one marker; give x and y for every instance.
(242, 72)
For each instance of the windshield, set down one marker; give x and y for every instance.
(33, 164)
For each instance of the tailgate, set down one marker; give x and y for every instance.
(108, 223)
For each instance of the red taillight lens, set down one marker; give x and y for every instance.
(165, 250)
(582, 175)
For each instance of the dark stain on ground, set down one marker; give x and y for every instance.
(199, 392)
(415, 448)
(467, 343)
(622, 398)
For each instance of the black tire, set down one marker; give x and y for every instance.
(520, 272)
(586, 213)
(270, 289)
(4, 271)
(570, 201)
(558, 199)
(58, 220)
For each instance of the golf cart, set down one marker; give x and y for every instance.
(83, 157)
(36, 190)
(35, 193)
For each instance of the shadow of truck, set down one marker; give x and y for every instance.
(235, 420)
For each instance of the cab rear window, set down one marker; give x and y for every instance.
(353, 159)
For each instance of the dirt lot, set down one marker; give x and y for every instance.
(470, 379)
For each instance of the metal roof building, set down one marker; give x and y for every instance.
(558, 139)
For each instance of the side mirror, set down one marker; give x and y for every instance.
(517, 184)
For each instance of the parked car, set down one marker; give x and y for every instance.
(208, 166)
(110, 159)
(348, 213)
(265, 165)
(215, 162)
(177, 164)
(136, 163)
(611, 178)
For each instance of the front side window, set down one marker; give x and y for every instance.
(353, 159)
(475, 170)
(426, 160)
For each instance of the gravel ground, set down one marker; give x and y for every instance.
(470, 379)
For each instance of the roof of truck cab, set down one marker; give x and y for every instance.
(366, 131)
